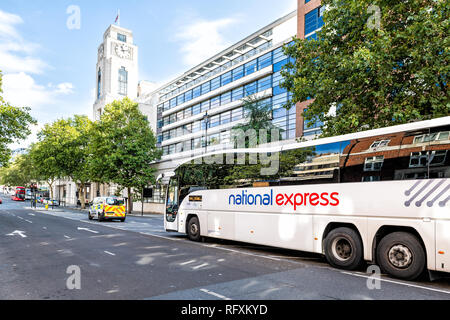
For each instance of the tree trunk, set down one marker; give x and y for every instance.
(50, 183)
(130, 200)
(82, 200)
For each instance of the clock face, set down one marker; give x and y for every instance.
(123, 51)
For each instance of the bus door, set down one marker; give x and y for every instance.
(172, 206)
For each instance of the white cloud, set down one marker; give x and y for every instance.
(21, 89)
(202, 39)
(15, 52)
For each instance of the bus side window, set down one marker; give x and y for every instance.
(370, 159)
(438, 152)
(312, 165)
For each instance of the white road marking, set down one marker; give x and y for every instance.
(200, 266)
(20, 233)
(397, 282)
(110, 253)
(28, 221)
(31, 214)
(67, 237)
(88, 230)
(214, 294)
(187, 262)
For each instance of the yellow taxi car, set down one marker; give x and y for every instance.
(108, 208)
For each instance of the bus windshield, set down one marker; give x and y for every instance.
(172, 200)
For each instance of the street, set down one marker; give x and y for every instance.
(139, 260)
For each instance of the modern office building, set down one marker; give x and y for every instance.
(197, 110)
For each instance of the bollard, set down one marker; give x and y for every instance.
(46, 207)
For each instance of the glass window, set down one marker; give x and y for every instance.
(121, 37)
(188, 95)
(187, 112)
(278, 55)
(225, 117)
(196, 92)
(180, 99)
(265, 61)
(238, 73)
(250, 88)
(278, 90)
(173, 102)
(215, 102)
(196, 126)
(196, 109)
(123, 81)
(237, 94)
(204, 106)
(225, 98)
(226, 78)
(214, 121)
(374, 163)
(215, 83)
(236, 114)
(180, 115)
(312, 165)
(250, 67)
(265, 83)
(206, 87)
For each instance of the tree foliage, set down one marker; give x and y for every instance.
(363, 77)
(64, 151)
(14, 126)
(124, 147)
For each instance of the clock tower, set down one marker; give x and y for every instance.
(117, 68)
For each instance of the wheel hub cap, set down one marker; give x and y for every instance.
(400, 256)
(342, 249)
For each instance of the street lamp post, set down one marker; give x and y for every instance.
(206, 121)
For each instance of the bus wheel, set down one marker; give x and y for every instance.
(401, 255)
(194, 229)
(344, 249)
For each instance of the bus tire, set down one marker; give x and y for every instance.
(401, 255)
(193, 229)
(344, 249)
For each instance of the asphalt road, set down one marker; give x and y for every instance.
(39, 251)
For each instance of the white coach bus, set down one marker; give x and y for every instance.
(381, 196)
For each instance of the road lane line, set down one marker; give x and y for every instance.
(200, 266)
(214, 294)
(187, 262)
(397, 282)
(110, 253)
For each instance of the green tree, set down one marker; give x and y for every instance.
(374, 70)
(258, 115)
(124, 147)
(64, 151)
(21, 172)
(14, 126)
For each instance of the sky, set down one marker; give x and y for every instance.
(48, 55)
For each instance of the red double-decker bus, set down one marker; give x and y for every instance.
(19, 194)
